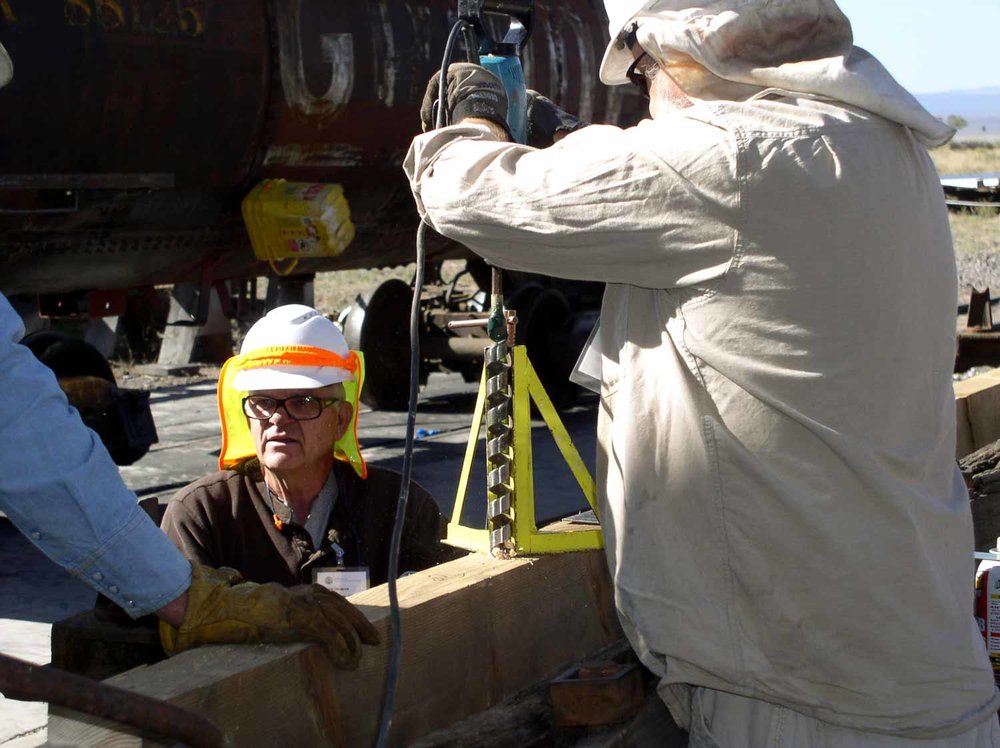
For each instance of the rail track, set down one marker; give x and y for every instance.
(970, 192)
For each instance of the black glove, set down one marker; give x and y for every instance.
(545, 119)
(473, 91)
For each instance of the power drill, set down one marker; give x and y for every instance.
(500, 28)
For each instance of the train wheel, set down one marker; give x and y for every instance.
(546, 330)
(80, 369)
(68, 356)
(378, 326)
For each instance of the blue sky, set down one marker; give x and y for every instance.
(928, 45)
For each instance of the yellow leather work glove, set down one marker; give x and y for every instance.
(223, 609)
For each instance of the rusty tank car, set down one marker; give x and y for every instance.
(134, 128)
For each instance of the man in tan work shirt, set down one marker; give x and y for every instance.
(789, 537)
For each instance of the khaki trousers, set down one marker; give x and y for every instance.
(724, 720)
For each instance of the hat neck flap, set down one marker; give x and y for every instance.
(237, 441)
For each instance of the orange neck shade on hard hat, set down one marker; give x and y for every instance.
(237, 442)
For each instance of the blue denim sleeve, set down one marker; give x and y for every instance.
(59, 486)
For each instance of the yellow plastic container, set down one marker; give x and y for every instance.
(290, 220)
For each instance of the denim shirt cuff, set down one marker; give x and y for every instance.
(138, 567)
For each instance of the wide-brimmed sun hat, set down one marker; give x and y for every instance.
(797, 46)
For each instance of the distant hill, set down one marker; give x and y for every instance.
(983, 102)
(981, 107)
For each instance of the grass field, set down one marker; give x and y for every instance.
(959, 160)
(978, 231)
(335, 291)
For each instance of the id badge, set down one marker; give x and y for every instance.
(344, 580)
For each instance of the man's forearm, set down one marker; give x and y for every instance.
(494, 128)
(173, 612)
(501, 134)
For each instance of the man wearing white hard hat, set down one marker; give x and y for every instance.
(294, 501)
(785, 525)
(59, 486)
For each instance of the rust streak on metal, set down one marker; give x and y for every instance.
(314, 155)
(980, 311)
(86, 181)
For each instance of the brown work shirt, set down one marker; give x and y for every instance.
(225, 519)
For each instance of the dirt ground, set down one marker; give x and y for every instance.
(128, 376)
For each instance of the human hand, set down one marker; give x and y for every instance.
(546, 121)
(472, 92)
(223, 609)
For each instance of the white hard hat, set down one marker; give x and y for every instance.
(6, 67)
(293, 325)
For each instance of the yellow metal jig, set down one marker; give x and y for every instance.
(526, 537)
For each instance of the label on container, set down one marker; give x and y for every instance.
(289, 220)
(987, 611)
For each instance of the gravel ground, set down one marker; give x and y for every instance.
(979, 270)
(128, 377)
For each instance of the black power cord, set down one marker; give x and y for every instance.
(392, 677)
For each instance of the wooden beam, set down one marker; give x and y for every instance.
(977, 410)
(528, 719)
(475, 631)
(980, 468)
(86, 645)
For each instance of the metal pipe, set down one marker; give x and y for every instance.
(458, 324)
(453, 347)
(25, 681)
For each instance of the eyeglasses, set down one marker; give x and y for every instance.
(299, 407)
(639, 77)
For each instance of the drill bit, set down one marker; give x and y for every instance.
(499, 430)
